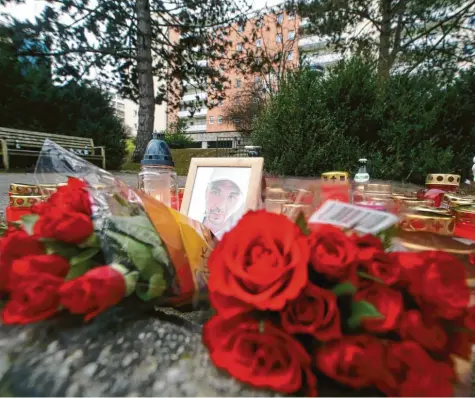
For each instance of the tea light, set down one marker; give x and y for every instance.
(275, 205)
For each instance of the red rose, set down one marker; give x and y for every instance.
(381, 265)
(443, 289)
(15, 244)
(228, 307)
(35, 298)
(259, 354)
(428, 333)
(261, 262)
(93, 292)
(412, 372)
(314, 312)
(412, 268)
(355, 361)
(387, 301)
(71, 198)
(366, 245)
(331, 252)
(64, 226)
(469, 318)
(51, 264)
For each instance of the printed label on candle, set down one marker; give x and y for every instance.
(354, 217)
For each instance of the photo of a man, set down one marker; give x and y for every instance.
(224, 200)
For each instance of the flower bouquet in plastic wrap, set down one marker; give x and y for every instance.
(308, 309)
(93, 243)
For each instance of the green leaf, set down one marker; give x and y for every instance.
(301, 222)
(92, 241)
(153, 289)
(139, 253)
(29, 222)
(344, 288)
(130, 278)
(84, 256)
(138, 227)
(63, 249)
(79, 269)
(362, 309)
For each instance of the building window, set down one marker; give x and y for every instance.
(290, 56)
(240, 28)
(278, 38)
(237, 100)
(221, 67)
(259, 43)
(472, 21)
(220, 119)
(291, 15)
(291, 35)
(280, 18)
(259, 23)
(220, 102)
(238, 83)
(211, 120)
(239, 47)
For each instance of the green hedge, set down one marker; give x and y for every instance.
(407, 126)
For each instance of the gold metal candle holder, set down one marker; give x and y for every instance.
(24, 190)
(438, 221)
(18, 201)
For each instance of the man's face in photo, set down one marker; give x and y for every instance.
(221, 200)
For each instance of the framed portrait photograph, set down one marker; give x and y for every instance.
(219, 191)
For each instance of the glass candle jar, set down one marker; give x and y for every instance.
(158, 177)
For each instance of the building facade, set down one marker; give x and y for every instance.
(275, 35)
(128, 112)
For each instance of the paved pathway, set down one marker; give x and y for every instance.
(28, 178)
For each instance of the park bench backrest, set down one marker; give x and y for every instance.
(33, 139)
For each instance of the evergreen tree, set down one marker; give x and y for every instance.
(129, 42)
(433, 34)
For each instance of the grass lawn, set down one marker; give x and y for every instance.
(181, 157)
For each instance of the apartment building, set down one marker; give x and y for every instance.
(128, 112)
(277, 35)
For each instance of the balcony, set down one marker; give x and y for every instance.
(198, 113)
(201, 128)
(323, 59)
(193, 97)
(311, 43)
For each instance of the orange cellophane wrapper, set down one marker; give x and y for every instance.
(189, 245)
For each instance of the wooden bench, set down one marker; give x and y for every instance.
(29, 143)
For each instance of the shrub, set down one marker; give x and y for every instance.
(408, 126)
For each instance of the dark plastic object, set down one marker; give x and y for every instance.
(157, 153)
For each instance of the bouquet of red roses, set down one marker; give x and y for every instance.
(297, 309)
(94, 242)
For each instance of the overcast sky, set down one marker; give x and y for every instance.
(31, 8)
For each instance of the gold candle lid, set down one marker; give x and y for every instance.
(443, 179)
(335, 176)
(423, 241)
(292, 210)
(24, 201)
(24, 189)
(464, 209)
(416, 202)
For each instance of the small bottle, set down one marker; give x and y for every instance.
(360, 180)
(158, 177)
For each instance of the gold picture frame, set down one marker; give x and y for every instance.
(196, 181)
